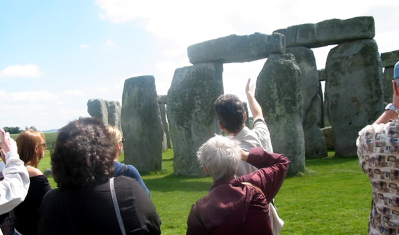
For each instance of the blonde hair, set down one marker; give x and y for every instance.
(116, 134)
(27, 142)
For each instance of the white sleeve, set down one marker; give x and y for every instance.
(15, 185)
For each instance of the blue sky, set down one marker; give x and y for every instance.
(56, 55)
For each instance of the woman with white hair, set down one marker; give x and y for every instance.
(236, 205)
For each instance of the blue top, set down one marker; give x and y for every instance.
(396, 70)
(132, 172)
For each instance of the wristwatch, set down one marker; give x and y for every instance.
(392, 107)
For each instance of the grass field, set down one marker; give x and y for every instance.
(331, 197)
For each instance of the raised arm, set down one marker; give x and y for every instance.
(253, 104)
(390, 114)
(15, 185)
(272, 172)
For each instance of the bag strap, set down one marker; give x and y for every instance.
(116, 206)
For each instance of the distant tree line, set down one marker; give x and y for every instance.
(17, 130)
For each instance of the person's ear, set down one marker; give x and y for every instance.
(221, 125)
(206, 169)
(119, 146)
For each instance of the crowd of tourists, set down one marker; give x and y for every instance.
(96, 194)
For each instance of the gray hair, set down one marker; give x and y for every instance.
(221, 156)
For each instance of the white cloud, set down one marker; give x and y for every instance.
(18, 71)
(27, 96)
(110, 43)
(84, 46)
(74, 92)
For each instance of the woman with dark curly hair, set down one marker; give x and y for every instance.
(88, 199)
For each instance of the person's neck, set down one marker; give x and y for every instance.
(234, 133)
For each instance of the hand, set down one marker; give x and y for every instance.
(250, 89)
(244, 155)
(6, 144)
(395, 98)
(3, 156)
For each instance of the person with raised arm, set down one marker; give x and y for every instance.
(15, 185)
(378, 152)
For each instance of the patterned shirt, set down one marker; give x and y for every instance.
(378, 151)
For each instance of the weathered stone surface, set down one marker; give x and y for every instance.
(328, 137)
(321, 74)
(389, 58)
(191, 114)
(314, 144)
(354, 91)
(114, 113)
(164, 142)
(141, 124)
(163, 99)
(388, 91)
(329, 32)
(320, 119)
(98, 109)
(278, 91)
(235, 48)
(165, 126)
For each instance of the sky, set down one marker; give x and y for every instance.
(55, 55)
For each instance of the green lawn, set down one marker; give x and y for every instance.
(333, 196)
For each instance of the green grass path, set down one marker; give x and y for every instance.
(332, 197)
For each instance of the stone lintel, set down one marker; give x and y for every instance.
(235, 48)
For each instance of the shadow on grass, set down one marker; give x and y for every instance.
(178, 183)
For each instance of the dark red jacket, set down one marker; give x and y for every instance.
(234, 208)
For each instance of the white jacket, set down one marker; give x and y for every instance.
(15, 185)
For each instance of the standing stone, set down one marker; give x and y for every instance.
(389, 60)
(328, 137)
(191, 114)
(353, 91)
(235, 48)
(114, 114)
(162, 100)
(279, 92)
(98, 109)
(388, 91)
(314, 143)
(141, 124)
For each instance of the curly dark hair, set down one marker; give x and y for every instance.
(230, 111)
(83, 154)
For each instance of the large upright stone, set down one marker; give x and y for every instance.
(235, 48)
(314, 143)
(114, 114)
(389, 60)
(98, 109)
(191, 114)
(141, 124)
(162, 99)
(353, 91)
(279, 92)
(329, 32)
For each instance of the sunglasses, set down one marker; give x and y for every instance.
(123, 140)
(44, 144)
